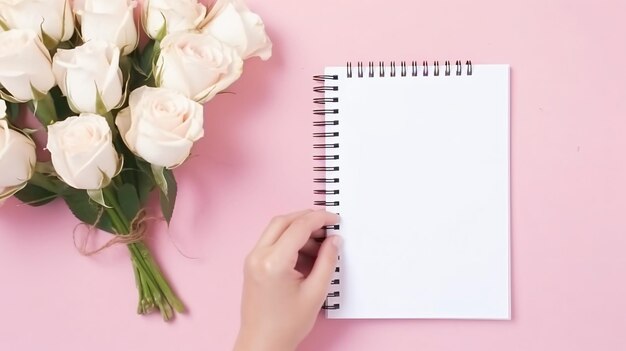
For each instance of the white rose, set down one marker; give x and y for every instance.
(88, 70)
(3, 109)
(233, 23)
(176, 15)
(82, 151)
(197, 65)
(160, 125)
(108, 20)
(24, 61)
(53, 17)
(17, 160)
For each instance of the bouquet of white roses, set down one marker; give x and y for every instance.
(118, 118)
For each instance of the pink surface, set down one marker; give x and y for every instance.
(568, 187)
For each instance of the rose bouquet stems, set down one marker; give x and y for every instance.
(118, 118)
(154, 290)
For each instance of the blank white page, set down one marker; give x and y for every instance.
(424, 194)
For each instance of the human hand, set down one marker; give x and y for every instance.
(286, 281)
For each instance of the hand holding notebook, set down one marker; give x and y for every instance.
(286, 276)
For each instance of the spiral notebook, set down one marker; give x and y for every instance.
(415, 159)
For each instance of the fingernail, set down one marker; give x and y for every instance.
(336, 241)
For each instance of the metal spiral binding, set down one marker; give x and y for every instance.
(404, 71)
(329, 154)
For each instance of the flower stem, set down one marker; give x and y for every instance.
(147, 299)
(119, 222)
(172, 299)
(140, 290)
(153, 288)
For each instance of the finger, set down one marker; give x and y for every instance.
(277, 226)
(319, 235)
(299, 232)
(319, 279)
(311, 248)
(304, 265)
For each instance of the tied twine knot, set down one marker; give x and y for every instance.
(138, 231)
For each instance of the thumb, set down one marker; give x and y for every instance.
(319, 279)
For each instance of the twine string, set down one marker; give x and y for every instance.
(138, 232)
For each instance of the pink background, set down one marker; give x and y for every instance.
(568, 187)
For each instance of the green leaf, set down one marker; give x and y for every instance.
(164, 179)
(37, 95)
(86, 210)
(136, 172)
(128, 174)
(139, 69)
(128, 200)
(126, 92)
(101, 108)
(43, 107)
(49, 42)
(136, 62)
(159, 178)
(126, 65)
(45, 168)
(97, 197)
(145, 62)
(145, 181)
(156, 74)
(61, 104)
(138, 76)
(35, 196)
(169, 201)
(163, 31)
(3, 26)
(77, 38)
(13, 112)
(66, 45)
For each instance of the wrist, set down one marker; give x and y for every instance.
(253, 342)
